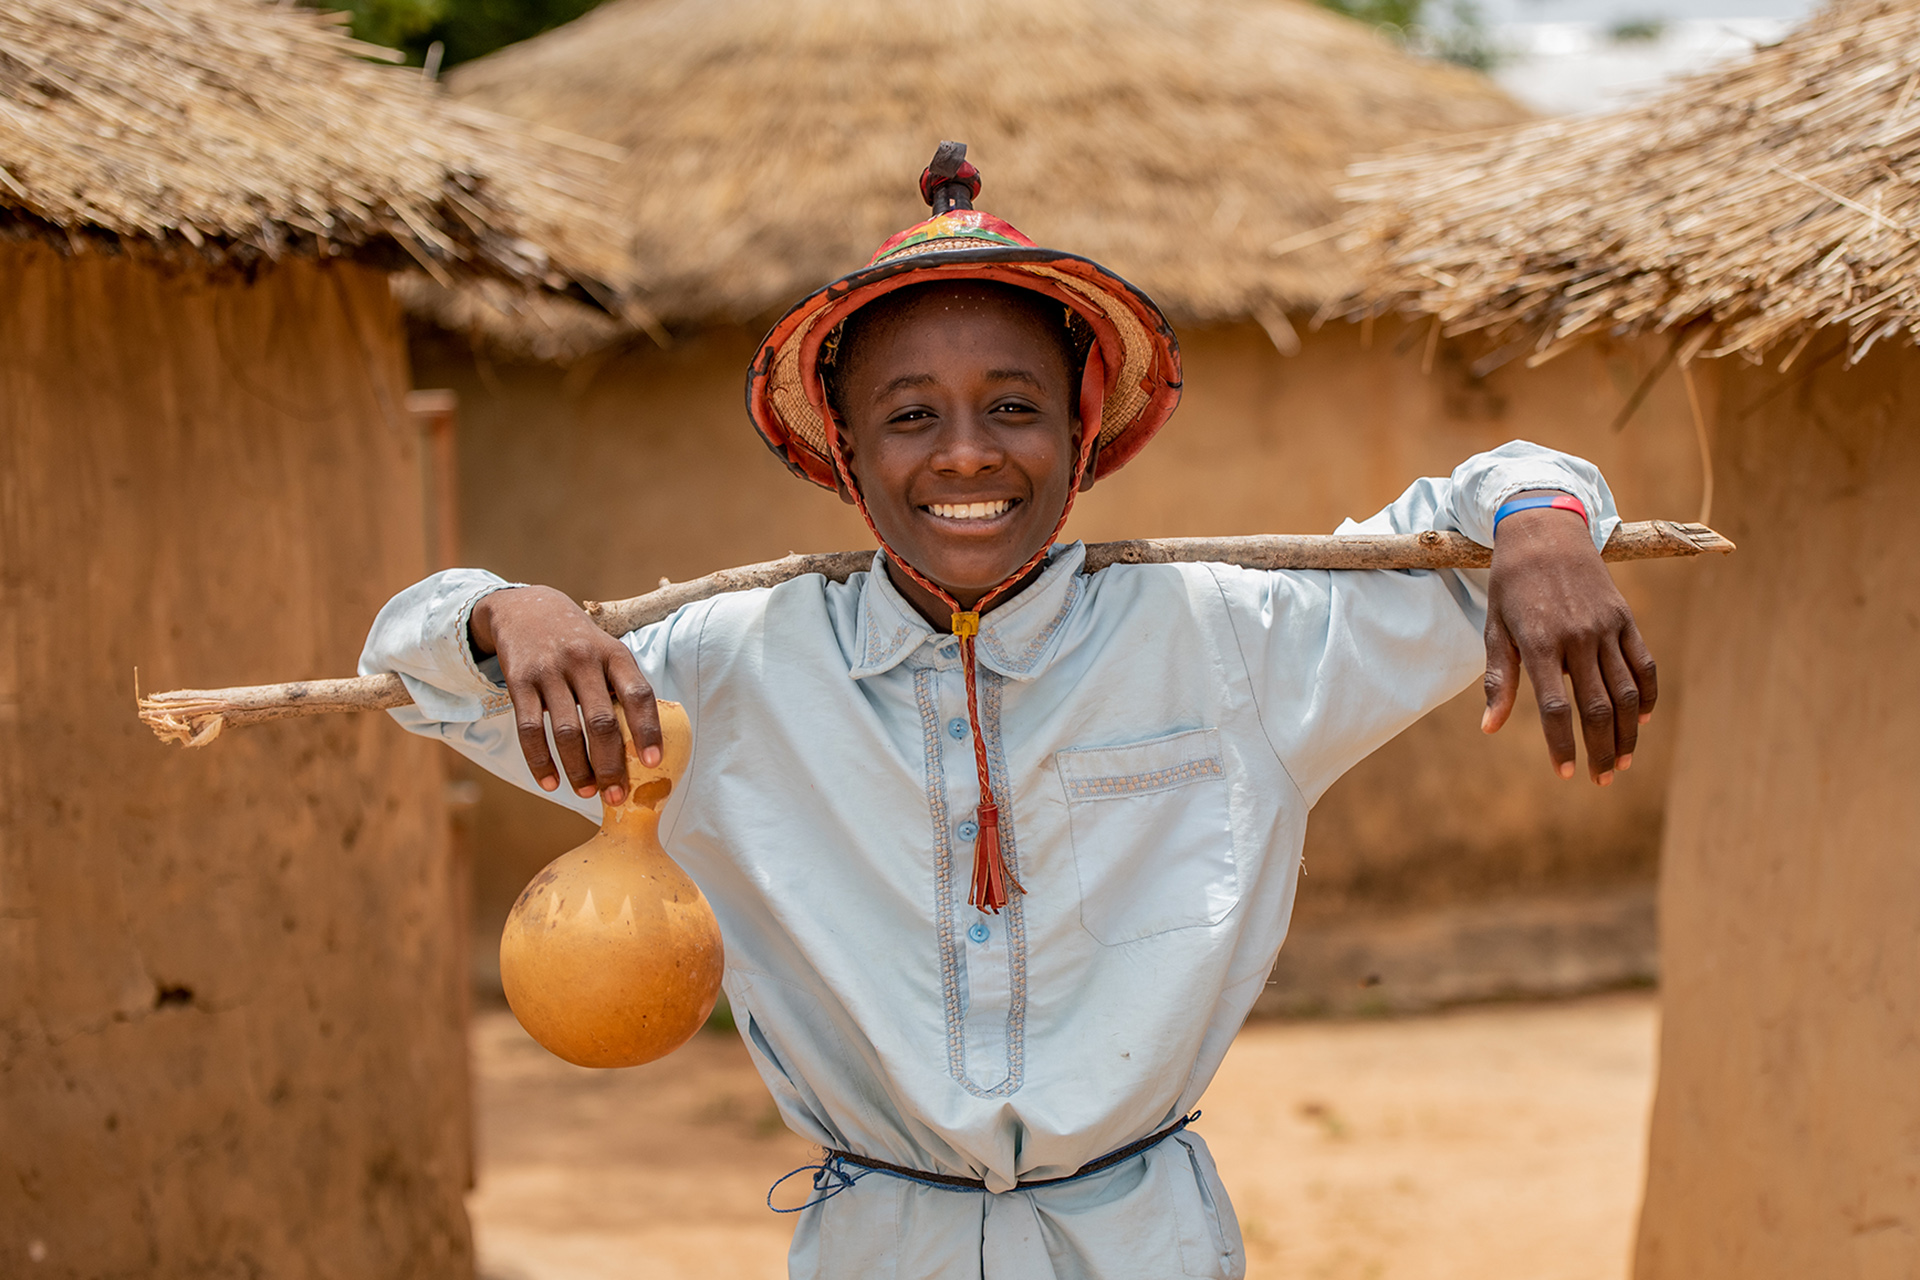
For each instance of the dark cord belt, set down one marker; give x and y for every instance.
(830, 1176)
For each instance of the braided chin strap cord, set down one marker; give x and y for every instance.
(993, 881)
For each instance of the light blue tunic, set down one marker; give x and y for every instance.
(1161, 732)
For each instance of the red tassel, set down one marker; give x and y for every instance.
(991, 879)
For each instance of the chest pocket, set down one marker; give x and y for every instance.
(1151, 841)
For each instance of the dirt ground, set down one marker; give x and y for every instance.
(1494, 1143)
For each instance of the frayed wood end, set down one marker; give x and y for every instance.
(176, 722)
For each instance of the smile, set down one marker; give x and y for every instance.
(970, 510)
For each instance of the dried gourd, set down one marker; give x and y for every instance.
(611, 956)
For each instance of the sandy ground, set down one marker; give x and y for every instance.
(1497, 1143)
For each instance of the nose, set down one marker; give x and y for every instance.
(966, 446)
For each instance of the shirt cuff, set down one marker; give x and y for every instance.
(1519, 468)
(484, 672)
(421, 636)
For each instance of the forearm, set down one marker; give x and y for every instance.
(1382, 648)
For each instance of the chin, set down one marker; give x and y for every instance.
(969, 577)
(964, 567)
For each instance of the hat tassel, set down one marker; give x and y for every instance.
(991, 879)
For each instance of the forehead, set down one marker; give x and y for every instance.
(982, 308)
(961, 295)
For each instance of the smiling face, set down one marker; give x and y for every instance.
(959, 403)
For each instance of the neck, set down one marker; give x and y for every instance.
(937, 612)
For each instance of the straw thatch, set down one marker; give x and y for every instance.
(520, 323)
(238, 130)
(1758, 204)
(1192, 145)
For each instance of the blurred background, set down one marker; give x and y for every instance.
(251, 995)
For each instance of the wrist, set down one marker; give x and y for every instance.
(480, 626)
(482, 637)
(1542, 501)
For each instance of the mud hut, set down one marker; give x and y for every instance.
(231, 1004)
(1758, 222)
(1192, 146)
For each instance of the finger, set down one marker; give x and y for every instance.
(530, 722)
(636, 698)
(606, 749)
(1595, 701)
(1626, 702)
(1640, 659)
(1502, 680)
(568, 738)
(1556, 713)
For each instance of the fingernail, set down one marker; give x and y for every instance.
(1624, 763)
(1605, 779)
(1566, 770)
(650, 757)
(615, 795)
(1645, 716)
(1486, 720)
(585, 792)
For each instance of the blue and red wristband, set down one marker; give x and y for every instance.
(1559, 502)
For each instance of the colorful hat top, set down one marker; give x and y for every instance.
(787, 399)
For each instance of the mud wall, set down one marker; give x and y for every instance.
(604, 478)
(1786, 1127)
(231, 1036)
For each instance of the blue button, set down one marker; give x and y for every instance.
(979, 932)
(957, 727)
(969, 829)
(949, 650)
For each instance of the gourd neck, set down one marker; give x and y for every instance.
(631, 818)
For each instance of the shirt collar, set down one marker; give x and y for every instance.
(1017, 638)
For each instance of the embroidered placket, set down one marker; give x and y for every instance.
(984, 985)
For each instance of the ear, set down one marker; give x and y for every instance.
(1093, 458)
(843, 465)
(1093, 402)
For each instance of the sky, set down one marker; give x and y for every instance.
(1557, 55)
(1611, 11)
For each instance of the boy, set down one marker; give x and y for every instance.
(1002, 852)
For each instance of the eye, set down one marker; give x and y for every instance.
(910, 416)
(1015, 405)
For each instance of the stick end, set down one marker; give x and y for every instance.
(1703, 538)
(175, 724)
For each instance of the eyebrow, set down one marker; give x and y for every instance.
(907, 380)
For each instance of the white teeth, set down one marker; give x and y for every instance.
(971, 510)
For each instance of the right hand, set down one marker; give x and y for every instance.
(558, 664)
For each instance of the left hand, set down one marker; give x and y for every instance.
(1552, 607)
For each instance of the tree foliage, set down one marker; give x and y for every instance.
(1455, 31)
(465, 29)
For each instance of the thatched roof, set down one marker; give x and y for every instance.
(237, 130)
(1758, 204)
(1192, 145)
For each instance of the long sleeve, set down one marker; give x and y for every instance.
(1342, 661)
(421, 634)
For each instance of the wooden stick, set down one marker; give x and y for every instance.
(195, 717)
